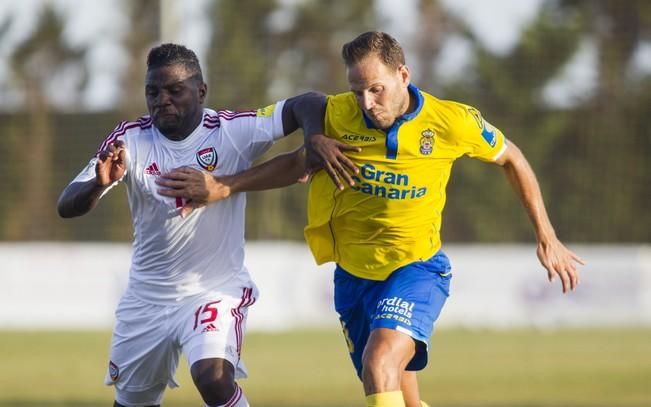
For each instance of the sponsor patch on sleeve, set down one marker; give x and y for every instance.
(266, 111)
(488, 133)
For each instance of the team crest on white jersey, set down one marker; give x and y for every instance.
(207, 158)
(427, 142)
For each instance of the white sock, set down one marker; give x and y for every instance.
(237, 400)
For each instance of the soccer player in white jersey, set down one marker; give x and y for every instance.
(188, 289)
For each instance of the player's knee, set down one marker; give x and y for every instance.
(377, 368)
(215, 380)
(379, 356)
(378, 363)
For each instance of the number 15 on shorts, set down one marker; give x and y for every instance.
(206, 314)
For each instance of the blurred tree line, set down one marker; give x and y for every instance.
(591, 153)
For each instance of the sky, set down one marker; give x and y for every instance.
(101, 23)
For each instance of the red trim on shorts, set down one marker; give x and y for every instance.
(247, 300)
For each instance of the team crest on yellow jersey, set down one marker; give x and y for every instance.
(427, 142)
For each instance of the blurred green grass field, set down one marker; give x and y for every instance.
(524, 368)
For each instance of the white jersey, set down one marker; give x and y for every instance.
(173, 257)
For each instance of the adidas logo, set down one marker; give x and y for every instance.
(152, 169)
(209, 328)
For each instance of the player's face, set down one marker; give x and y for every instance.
(175, 100)
(381, 91)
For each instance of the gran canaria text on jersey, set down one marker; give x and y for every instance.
(386, 184)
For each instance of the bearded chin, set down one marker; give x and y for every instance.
(169, 122)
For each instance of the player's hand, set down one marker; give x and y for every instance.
(560, 261)
(198, 188)
(111, 164)
(324, 152)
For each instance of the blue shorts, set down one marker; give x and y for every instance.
(409, 301)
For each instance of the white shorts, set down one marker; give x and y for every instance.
(148, 339)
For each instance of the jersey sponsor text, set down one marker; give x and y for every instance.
(369, 173)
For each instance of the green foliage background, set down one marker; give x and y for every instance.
(592, 158)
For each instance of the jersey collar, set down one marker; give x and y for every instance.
(405, 117)
(392, 132)
(187, 142)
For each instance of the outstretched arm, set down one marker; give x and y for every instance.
(201, 188)
(553, 255)
(79, 198)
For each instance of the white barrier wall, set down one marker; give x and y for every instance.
(63, 286)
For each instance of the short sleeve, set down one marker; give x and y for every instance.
(88, 172)
(477, 137)
(253, 132)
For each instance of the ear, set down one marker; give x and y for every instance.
(405, 75)
(203, 91)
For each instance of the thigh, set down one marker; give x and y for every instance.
(388, 347)
(213, 326)
(143, 358)
(351, 296)
(411, 301)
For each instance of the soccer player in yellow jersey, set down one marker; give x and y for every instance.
(394, 145)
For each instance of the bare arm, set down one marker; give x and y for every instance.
(280, 171)
(79, 198)
(305, 111)
(201, 187)
(553, 255)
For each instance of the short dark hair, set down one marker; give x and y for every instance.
(374, 42)
(171, 54)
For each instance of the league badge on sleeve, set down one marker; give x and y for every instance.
(266, 111)
(488, 133)
(207, 158)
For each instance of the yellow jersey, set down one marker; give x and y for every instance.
(392, 216)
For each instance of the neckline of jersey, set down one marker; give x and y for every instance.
(405, 117)
(186, 142)
(391, 140)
